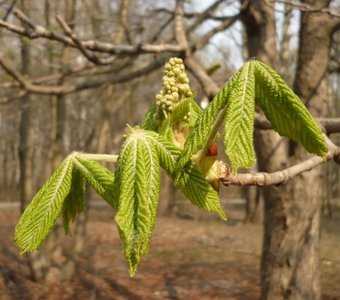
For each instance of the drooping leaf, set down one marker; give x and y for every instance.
(41, 214)
(286, 112)
(99, 177)
(191, 181)
(206, 127)
(239, 121)
(74, 202)
(136, 191)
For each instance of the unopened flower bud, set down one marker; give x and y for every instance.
(176, 71)
(175, 96)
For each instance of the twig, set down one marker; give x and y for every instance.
(305, 7)
(9, 10)
(37, 31)
(89, 55)
(206, 14)
(209, 86)
(282, 177)
(221, 27)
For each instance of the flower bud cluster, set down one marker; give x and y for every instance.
(175, 88)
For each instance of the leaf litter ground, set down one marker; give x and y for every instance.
(189, 259)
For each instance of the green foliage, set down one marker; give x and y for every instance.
(74, 202)
(175, 136)
(41, 214)
(99, 177)
(148, 122)
(234, 106)
(62, 193)
(137, 185)
(285, 111)
(191, 181)
(239, 121)
(206, 127)
(136, 191)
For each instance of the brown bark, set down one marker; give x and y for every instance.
(290, 263)
(312, 85)
(252, 195)
(25, 150)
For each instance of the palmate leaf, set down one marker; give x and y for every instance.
(191, 181)
(41, 214)
(99, 177)
(74, 202)
(239, 122)
(286, 112)
(206, 127)
(136, 191)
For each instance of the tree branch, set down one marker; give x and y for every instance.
(282, 177)
(221, 27)
(37, 31)
(305, 7)
(200, 16)
(86, 84)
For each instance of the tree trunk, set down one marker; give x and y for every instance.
(312, 85)
(25, 149)
(49, 263)
(290, 256)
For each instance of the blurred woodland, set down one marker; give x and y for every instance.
(75, 72)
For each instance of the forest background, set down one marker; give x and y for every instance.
(75, 72)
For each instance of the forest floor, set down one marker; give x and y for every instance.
(188, 259)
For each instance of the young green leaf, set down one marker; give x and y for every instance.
(74, 202)
(206, 127)
(148, 122)
(195, 112)
(180, 111)
(99, 177)
(285, 110)
(191, 180)
(41, 214)
(239, 121)
(136, 191)
(187, 107)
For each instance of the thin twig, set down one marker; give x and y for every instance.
(9, 10)
(37, 31)
(89, 55)
(305, 7)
